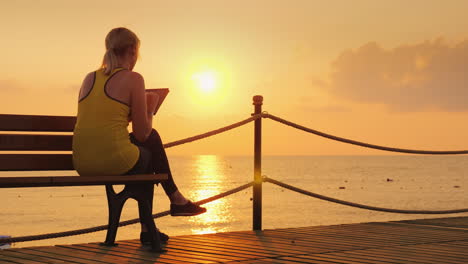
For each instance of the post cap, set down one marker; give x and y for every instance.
(258, 100)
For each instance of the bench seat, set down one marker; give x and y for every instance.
(51, 181)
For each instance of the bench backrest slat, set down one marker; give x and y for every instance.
(35, 162)
(37, 123)
(19, 142)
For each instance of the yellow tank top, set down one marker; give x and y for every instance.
(101, 142)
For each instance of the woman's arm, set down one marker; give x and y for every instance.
(151, 103)
(141, 116)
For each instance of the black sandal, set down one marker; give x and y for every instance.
(145, 238)
(188, 209)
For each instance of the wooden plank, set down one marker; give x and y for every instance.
(459, 222)
(443, 249)
(9, 260)
(372, 233)
(410, 256)
(281, 261)
(304, 259)
(422, 229)
(37, 123)
(288, 239)
(22, 142)
(360, 239)
(324, 257)
(365, 258)
(377, 257)
(27, 257)
(241, 245)
(408, 253)
(434, 252)
(127, 257)
(43, 252)
(145, 254)
(382, 238)
(318, 244)
(85, 254)
(52, 181)
(393, 253)
(180, 254)
(35, 162)
(263, 261)
(223, 249)
(184, 252)
(215, 251)
(278, 246)
(344, 243)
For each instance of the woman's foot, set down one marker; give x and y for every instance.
(178, 198)
(187, 209)
(145, 238)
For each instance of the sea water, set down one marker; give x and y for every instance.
(400, 182)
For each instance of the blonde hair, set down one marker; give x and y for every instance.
(118, 42)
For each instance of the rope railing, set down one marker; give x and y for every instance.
(362, 144)
(213, 132)
(373, 208)
(123, 223)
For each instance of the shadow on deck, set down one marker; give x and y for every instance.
(442, 240)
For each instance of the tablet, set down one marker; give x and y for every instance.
(162, 93)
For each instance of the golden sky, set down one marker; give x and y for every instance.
(385, 72)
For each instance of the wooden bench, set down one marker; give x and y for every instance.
(14, 139)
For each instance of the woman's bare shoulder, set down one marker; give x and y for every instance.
(86, 85)
(89, 77)
(132, 79)
(133, 76)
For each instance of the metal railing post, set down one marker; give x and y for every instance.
(257, 187)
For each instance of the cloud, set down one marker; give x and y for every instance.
(424, 76)
(309, 104)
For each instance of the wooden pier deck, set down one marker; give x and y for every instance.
(442, 240)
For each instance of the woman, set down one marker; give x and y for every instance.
(109, 99)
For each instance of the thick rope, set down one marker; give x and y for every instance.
(123, 223)
(362, 144)
(322, 197)
(213, 132)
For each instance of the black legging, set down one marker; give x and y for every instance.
(157, 160)
(152, 159)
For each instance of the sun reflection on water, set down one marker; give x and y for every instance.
(209, 181)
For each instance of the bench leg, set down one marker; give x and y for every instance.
(115, 204)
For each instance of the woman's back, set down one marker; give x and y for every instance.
(116, 87)
(101, 144)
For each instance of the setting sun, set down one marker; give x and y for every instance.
(206, 81)
(209, 84)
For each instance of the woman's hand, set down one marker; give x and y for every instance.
(152, 100)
